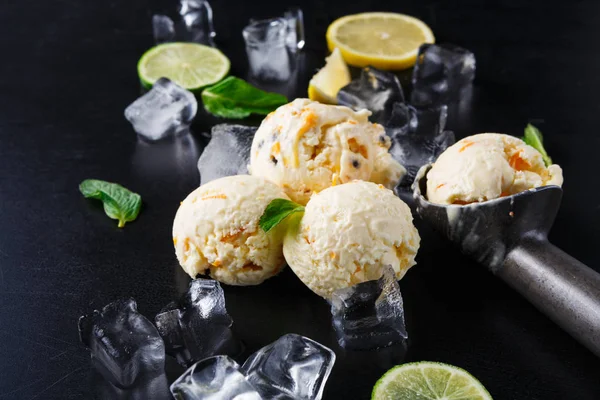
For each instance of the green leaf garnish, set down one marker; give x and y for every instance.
(119, 203)
(236, 98)
(277, 211)
(533, 137)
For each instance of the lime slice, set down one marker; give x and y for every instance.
(190, 65)
(428, 380)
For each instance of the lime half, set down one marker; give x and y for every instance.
(190, 65)
(428, 380)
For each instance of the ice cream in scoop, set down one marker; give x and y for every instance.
(216, 231)
(347, 234)
(488, 166)
(305, 147)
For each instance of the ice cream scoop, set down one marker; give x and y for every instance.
(216, 231)
(305, 147)
(509, 235)
(347, 234)
(487, 166)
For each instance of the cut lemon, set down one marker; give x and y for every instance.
(386, 41)
(326, 83)
(428, 380)
(190, 65)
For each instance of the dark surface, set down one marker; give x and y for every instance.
(68, 72)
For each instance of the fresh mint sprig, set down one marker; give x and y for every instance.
(534, 138)
(119, 203)
(236, 98)
(277, 211)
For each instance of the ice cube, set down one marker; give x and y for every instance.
(198, 326)
(418, 137)
(124, 345)
(188, 6)
(197, 18)
(214, 378)
(420, 121)
(293, 367)
(165, 110)
(163, 28)
(267, 49)
(442, 74)
(295, 25)
(155, 388)
(369, 315)
(227, 153)
(375, 90)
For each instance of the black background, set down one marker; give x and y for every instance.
(67, 72)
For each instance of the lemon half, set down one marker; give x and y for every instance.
(387, 41)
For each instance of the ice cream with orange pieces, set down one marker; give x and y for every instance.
(216, 231)
(487, 166)
(306, 147)
(347, 234)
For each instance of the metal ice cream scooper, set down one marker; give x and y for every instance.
(509, 236)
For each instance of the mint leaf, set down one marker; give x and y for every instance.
(236, 98)
(277, 211)
(119, 203)
(533, 137)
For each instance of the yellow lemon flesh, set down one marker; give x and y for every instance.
(387, 41)
(326, 83)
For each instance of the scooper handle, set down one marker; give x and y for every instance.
(561, 287)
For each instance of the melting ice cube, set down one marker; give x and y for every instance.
(155, 388)
(269, 57)
(442, 74)
(197, 18)
(198, 326)
(227, 153)
(292, 367)
(370, 314)
(375, 90)
(418, 137)
(215, 378)
(295, 35)
(421, 121)
(163, 28)
(165, 110)
(124, 345)
(272, 47)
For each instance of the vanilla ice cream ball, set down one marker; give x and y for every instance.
(305, 147)
(488, 166)
(216, 231)
(347, 234)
